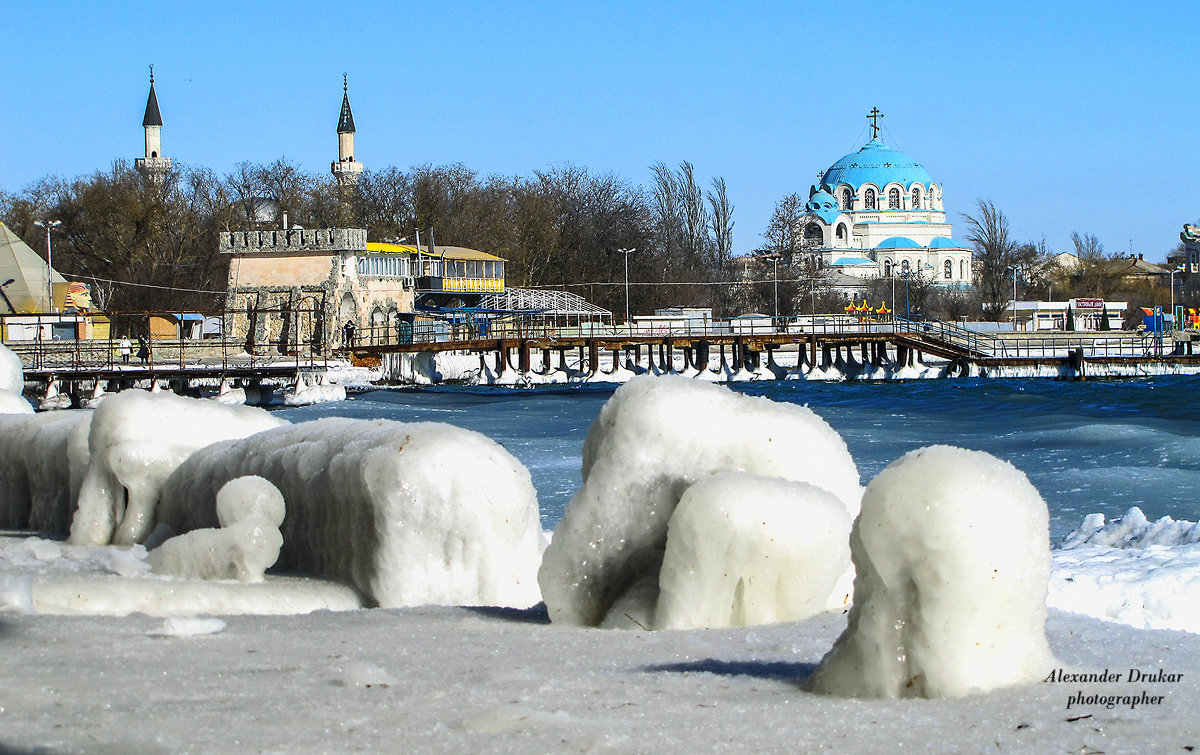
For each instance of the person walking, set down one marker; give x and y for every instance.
(126, 349)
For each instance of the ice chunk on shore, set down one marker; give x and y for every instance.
(1132, 530)
(136, 440)
(12, 372)
(41, 466)
(250, 510)
(408, 514)
(953, 560)
(747, 550)
(652, 440)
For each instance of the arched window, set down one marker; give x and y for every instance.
(841, 230)
(904, 267)
(916, 198)
(869, 199)
(948, 269)
(847, 200)
(812, 232)
(893, 199)
(962, 269)
(887, 268)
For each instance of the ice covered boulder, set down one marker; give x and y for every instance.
(652, 440)
(408, 514)
(953, 560)
(41, 466)
(137, 439)
(250, 511)
(12, 373)
(14, 403)
(745, 550)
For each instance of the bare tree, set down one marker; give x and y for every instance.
(995, 254)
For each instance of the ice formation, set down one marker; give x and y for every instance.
(745, 550)
(408, 514)
(250, 511)
(12, 383)
(136, 440)
(953, 561)
(41, 466)
(652, 440)
(12, 373)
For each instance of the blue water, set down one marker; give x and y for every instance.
(1089, 447)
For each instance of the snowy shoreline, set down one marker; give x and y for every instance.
(493, 680)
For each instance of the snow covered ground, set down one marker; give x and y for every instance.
(492, 680)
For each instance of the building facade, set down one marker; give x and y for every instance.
(877, 212)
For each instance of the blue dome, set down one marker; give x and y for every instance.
(899, 242)
(823, 205)
(875, 163)
(941, 242)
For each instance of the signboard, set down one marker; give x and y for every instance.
(1096, 304)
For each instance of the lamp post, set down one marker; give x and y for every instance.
(1173, 271)
(49, 224)
(626, 252)
(1014, 301)
(774, 257)
(893, 301)
(7, 301)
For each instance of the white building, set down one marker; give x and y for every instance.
(876, 212)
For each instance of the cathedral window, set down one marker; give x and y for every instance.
(847, 200)
(916, 198)
(962, 269)
(869, 199)
(905, 268)
(949, 270)
(887, 268)
(893, 199)
(841, 231)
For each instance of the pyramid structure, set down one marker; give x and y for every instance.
(27, 270)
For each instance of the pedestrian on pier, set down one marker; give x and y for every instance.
(348, 334)
(126, 349)
(143, 349)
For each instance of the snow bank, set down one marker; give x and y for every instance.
(652, 440)
(1130, 570)
(745, 550)
(952, 557)
(41, 466)
(408, 514)
(250, 511)
(136, 439)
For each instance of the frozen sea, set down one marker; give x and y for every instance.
(1089, 447)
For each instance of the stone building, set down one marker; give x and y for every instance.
(296, 290)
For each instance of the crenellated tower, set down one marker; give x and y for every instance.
(153, 165)
(346, 170)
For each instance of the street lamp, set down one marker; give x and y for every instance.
(626, 252)
(1014, 301)
(48, 224)
(774, 257)
(7, 301)
(1175, 270)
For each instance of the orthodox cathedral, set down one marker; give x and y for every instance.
(876, 212)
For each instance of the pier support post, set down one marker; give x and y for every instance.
(523, 356)
(593, 347)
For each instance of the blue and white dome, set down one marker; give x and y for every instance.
(822, 204)
(875, 163)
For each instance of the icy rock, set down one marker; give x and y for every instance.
(652, 440)
(408, 514)
(744, 550)
(16, 594)
(365, 674)
(14, 403)
(249, 510)
(37, 490)
(953, 562)
(12, 372)
(1132, 530)
(189, 626)
(136, 440)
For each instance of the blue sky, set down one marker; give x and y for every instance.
(1069, 116)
